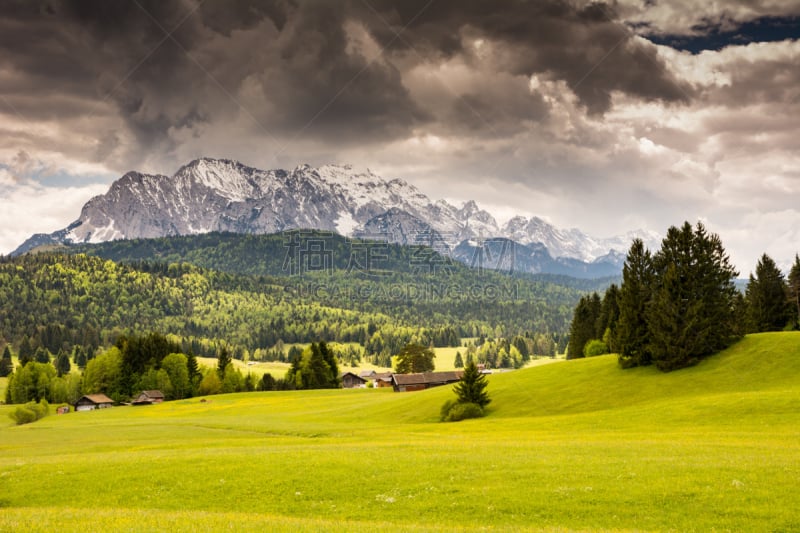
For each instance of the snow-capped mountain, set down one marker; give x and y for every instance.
(506, 255)
(221, 195)
(573, 242)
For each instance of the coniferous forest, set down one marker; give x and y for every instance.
(680, 304)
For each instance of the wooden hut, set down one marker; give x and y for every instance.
(89, 402)
(148, 397)
(423, 380)
(352, 381)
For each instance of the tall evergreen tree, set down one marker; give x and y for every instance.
(520, 344)
(333, 365)
(767, 305)
(316, 374)
(62, 365)
(316, 368)
(6, 363)
(472, 387)
(79, 356)
(41, 355)
(25, 352)
(691, 313)
(794, 291)
(608, 320)
(458, 362)
(740, 314)
(223, 360)
(267, 382)
(595, 307)
(632, 337)
(584, 325)
(192, 367)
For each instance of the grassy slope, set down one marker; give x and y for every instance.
(577, 445)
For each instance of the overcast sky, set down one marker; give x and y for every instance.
(605, 117)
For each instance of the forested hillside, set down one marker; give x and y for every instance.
(58, 301)
(308, 251)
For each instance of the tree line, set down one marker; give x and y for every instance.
(679, 305)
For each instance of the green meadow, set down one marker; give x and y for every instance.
(568, 446)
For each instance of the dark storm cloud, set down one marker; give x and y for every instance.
(303, 68)
(296, 56)
(585, 46)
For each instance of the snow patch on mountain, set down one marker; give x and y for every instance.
(346, 224)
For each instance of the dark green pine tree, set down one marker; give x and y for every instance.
(595, 307)
(191, 367)
(717, 292)
(316, 373)
(740, 314)
(25, 351)
(62, 365)
(6, 363)
(767, 306)
(328, 356)
(632, 337)
(79, 356)
(794, 291)
(691, 313)
(608, 319)
(520, 344)
(584, 325)
(41, 355)
(267, 382)
(223, 360)
(458, 363)
(472, 387)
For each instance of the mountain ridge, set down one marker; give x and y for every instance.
(207, 195)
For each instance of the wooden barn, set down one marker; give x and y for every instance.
(149, 397)
(90, 402)
(383, 379)
(352, 381)
(424, 380)
(378, 379)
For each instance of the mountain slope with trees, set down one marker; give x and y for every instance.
(76, 303)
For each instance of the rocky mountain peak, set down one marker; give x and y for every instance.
(209, 194)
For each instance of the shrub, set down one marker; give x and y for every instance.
(462, 411)
(30, 412)
(449, 404)
(22, 415)
(41, 409)
(594, 348)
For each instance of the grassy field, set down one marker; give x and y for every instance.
(278, 370)
(445, 359)
(569, 446)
